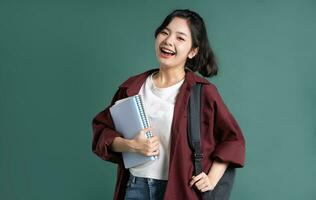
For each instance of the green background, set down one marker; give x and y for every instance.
(62, 61)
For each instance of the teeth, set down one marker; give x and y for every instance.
(166, 50)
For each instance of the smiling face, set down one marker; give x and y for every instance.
(173, 44)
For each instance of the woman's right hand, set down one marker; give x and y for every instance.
(145, 146)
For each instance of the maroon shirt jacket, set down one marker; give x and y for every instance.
(221, 136)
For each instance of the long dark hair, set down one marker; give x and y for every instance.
(204, 61)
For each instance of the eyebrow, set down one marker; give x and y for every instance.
(177, 32)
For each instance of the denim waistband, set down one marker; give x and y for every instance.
(135, 179)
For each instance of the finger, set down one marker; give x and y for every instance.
(142, 135)
(156, 148)
(206, 189)
(152, 140)
(155, 144)
(155, 138)
(149, 128)
(194, 180)
(145, 130)
(201, 184)
(197, 178)
(151, 153)
(155, 153)
(153, 147)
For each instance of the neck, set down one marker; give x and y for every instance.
(168, 76)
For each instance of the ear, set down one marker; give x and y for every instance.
(193, 52)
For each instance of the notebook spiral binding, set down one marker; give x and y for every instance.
(141, 109)
(144, 118)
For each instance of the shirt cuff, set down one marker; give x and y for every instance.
(231, 151)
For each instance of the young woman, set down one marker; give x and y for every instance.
(182, 48)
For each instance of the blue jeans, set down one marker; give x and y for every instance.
(139, 188)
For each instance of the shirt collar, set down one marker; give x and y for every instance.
(134, 83)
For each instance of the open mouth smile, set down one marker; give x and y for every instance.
(166, 52)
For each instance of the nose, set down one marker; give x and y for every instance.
(168, 40)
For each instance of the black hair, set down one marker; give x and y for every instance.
(204, 61)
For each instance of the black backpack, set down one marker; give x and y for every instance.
(224, 186)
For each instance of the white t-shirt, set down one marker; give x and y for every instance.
(159, 106)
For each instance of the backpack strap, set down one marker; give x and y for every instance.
(194, 127)
(224, 186)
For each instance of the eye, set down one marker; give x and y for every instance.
(164, 32)
(180, 38)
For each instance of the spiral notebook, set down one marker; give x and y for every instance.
(129, 118)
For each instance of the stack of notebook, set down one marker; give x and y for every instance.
(129, 119)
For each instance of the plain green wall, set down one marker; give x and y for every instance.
(61, 62)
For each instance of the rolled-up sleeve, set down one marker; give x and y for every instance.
(230, 142)
(104, 133)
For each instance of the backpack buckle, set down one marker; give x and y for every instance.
(198, 156)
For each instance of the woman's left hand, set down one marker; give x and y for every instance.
(202, 182)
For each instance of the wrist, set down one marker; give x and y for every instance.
(121, 144)
(212, 183)
(132, 145)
